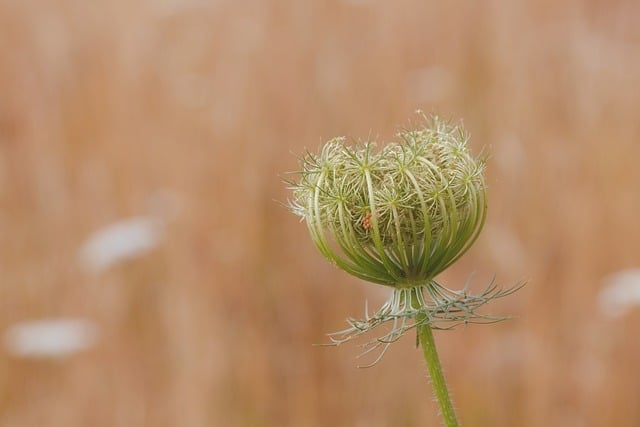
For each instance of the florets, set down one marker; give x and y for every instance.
(397, 216)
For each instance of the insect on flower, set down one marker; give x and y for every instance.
(366, 222)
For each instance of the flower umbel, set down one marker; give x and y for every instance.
(399, 216)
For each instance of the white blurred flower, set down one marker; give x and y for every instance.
(133, 237)
(620, 293)
(50, 338)
(120, 241)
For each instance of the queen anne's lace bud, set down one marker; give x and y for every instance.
(401, 215)
(398, 216)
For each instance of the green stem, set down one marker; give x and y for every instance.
(425, 335)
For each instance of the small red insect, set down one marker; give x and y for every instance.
(366, 222)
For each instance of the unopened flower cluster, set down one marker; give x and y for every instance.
(398, 215)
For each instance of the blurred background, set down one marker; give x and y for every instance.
(150, 277)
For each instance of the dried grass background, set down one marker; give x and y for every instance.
(108, 109)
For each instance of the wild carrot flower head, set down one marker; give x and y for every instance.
(398, 216)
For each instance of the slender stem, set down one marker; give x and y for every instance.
(425, 335)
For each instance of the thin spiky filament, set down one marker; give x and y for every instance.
(408, 308)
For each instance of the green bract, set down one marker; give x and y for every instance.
(397, 216)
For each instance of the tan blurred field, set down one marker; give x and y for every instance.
(191, 110)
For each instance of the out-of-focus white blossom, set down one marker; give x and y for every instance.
(620, 293)
(119, 241)
(50, 338)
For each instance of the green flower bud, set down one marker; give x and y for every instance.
(397, 216)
